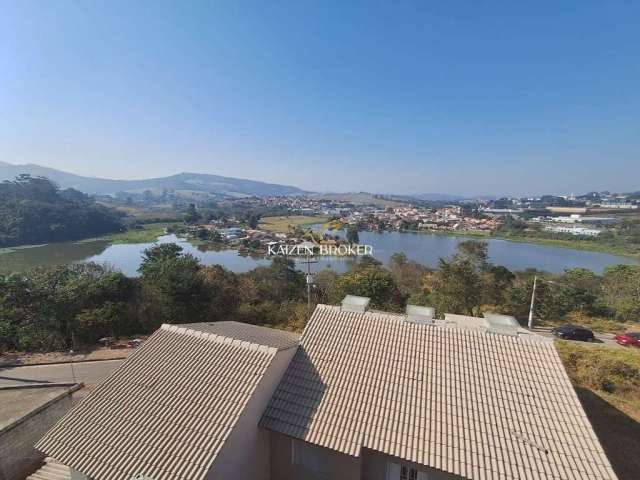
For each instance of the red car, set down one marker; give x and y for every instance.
(629, 338)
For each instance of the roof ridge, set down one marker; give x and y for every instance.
(216, 338)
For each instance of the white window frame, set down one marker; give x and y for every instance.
(394, 472)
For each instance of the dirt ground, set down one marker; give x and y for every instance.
(120, 350)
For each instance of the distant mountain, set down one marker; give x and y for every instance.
(438, 197)
(445, 197)
(187, 182)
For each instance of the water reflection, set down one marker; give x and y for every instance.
(423, 248)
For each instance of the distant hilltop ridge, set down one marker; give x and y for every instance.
(194, 182)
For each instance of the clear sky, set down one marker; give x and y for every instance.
(473, 97)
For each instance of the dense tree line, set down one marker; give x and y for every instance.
(34, 210)
(67, 306)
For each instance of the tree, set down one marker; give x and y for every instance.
(224, 294)
(407, 274)
(173, 289)
(371, 281)
(455, 287)
(34, 210)
(475, 252)
(279, 282)
(352, 234)
(621, 291)
(192, 215)
(64, 306)
(496, 282)
(324, 283)
(253, 220)
(578, 290)
(152, 256)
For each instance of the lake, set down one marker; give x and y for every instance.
(423, 248)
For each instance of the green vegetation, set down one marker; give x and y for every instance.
(352, 234)
(624, 239)
(283, 224)
(138, 234)
(369, 279)
(68, 306)
(36, 211)
(57, 307)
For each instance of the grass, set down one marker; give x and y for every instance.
(607, 381)
(586, 245)
(282, 224)
(148, 233)
(611, 373)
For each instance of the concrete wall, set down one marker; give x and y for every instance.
(18, 458)
(246, 452)
(339, 466)
(374, 467)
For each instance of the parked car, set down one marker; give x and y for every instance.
(628, 339)
(574, 332)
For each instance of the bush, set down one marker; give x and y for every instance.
(611, 370)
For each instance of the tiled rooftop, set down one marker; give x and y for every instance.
(167, 411)
(464, 401)
(270, 337)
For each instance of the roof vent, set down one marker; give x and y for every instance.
(353, 303)
(418, 314)
(501, 324)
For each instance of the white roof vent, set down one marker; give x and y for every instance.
(501, 324)
(418, 314)
(353, 303)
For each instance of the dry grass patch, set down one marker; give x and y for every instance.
(607, 381)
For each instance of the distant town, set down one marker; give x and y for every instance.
(320, 219)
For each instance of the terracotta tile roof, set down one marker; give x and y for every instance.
(478, 405)
(167, 410)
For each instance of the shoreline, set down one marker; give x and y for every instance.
(549, 242)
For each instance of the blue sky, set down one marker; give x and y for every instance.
(473, 97)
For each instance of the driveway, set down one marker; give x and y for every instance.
(602, 339)
(89, 373)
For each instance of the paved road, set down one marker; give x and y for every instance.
(602, 339)
(88, 372)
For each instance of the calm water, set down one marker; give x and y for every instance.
(424, 248)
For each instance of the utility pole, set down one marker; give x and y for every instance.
(533, 299)
(73, 370)
(309, 278)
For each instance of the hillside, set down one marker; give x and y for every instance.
(192, 182)
(360, 198)
(35, 211)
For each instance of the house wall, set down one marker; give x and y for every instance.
(18, 458)
(340, 466)
(246, 452)
(374, 467)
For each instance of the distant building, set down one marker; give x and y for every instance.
(360, 395)
(590, 232)
(503, 211)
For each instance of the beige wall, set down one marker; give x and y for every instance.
(340, 466)
(18, 458)
(370, 465)
(246, 452)
(374, 467)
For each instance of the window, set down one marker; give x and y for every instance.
(396, 471)
(311, 458)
